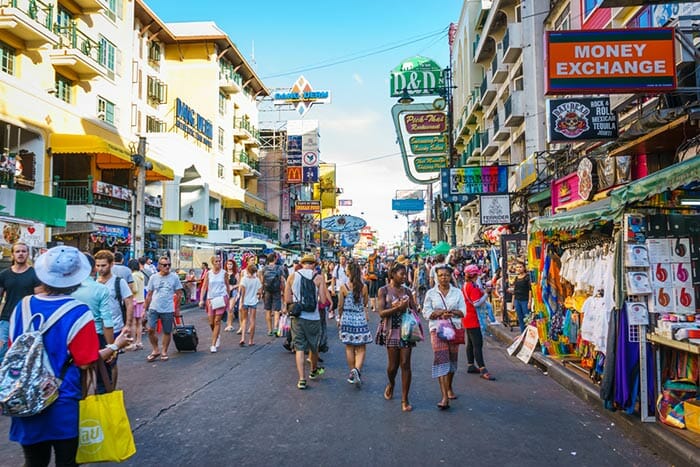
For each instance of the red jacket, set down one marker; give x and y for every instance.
(471, 293)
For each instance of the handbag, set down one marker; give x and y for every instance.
(104, 430)
(454, 335)
(411, 327)
(217, 302)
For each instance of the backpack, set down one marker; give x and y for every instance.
(308, 297)
(118, 293)
(271, 278)
(28, 384)
(422, 277)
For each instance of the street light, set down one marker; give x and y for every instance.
(405, 98)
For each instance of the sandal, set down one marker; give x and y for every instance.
(486, 375)
(164, 358)
(152, 357)
(242, 343)
(228, 329)
(301, 384)
(405, 406)
(389, 392)
(472, 369)
(443, 406)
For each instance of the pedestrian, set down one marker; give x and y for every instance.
(522, 294)
(250, 292)
(203, 273)
(160, 305)
(273, 276)
(393, 300)
(339, 278)
(232, 280)
(145, 271)
(16, 282)
(372, 278)
(353, 299)
(150, 267)
(118, 269)
(216, 289)
(420, 282)
(474, 296)
(139, 299)
(190, 286)
(120, 298)
(306, 328)
(71, 343)
(444, 302)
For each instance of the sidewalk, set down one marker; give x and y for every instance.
(653, 435)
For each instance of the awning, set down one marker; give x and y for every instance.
(108, 155)
(670, 178)
(578, 218)
(184, 228)
(238, 204)
(541, 196)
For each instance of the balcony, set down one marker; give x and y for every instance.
(487, 92)
(242, 162)
(488, 145)
(89, 6)
(28, 20)
(230, 82)
(514, 108)
(254, 228)
(93, 192)
(244, 131)
(77, 52)
(214, 224)
(512, 43)
(500, 133)
(499, 72)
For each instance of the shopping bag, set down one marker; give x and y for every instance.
(411, 327)
(217, 302)
(283, 326)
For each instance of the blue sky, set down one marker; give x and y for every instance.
(293, 37)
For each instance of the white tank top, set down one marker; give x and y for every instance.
(217, 284)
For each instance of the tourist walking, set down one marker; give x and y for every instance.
(139, 300)
(251, 292)
(353, 299)
(232, 280)
(474, 296)
(444, 306)
(215, 287)
(159, 305)
(393, 300)
(522, 294)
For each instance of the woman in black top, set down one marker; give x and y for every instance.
(522, 294)
(232, 278)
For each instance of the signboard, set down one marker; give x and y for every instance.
(530, 341)
(293, 145)
(294, 174)
(286, 207)
(309, 175)
(344, 202)
(494, 209)
(193, 123)
(429, 163)
(419, 76)
(416, 205)
(610, 61)
(565, 191)
(435, 144)
(309, 159)
(526, 173)
(461, 182)
(301, 96)
(348, 239)
(343, 223)
(307, 207)
(581, 119)
(425, 122)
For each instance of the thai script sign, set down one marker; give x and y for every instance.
(192, 123)
(580, 119)
(610, 61)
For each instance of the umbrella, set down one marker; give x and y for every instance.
(441, 248)
(252, 242)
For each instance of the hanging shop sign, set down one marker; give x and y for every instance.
(419, 76)
(565, 191)
(494, 209)
(110, 235)
(343, 223)
(294, 174)
(301, 96)
(429, 163)
(309, 175)
(425, 122)
(581, 119)
(193, 123)
(344, 202)
(307, 207)
(184, 228)
(613, 171)
(585, 178)
(526, 173)
(154, 201)
(33, 234)
(294, 145)
(408, 205)
(459, 183)
(610, 61)
(435, 144)
(349, 239)
(111, 191)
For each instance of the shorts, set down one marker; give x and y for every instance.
(306, 334)
(373, 288)
(138, 310)
(334, 301)
(218, 311)
(272, 301)
(166, 320)
(4, 337)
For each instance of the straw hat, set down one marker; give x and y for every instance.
(62, 267)
(308, 259)
(403, 260)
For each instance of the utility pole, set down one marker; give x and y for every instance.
(138, 215)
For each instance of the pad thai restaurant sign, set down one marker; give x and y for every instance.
(580, 119)
(610, 61)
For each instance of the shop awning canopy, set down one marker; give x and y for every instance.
(581, 217)
(108, 155)
(238, 204)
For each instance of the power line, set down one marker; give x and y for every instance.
(354, 56)
(370, 159)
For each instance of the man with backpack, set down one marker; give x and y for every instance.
(272, 279)
(303, 292)
(121, 302)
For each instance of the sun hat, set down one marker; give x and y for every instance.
(403, 260)
(308, 259)
(62, 266)
(472, 270)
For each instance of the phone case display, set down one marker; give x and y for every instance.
(636, 256)
(661, 275)
(638, 283)
(637, 313)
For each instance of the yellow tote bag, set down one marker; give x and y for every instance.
(105, 432)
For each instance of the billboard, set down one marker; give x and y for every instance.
(494, 209)
(460, 183)
(610, 61)
(580, 119)
(419, 76)
(301, 96)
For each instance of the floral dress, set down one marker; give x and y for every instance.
(354, 329)
(389, 330)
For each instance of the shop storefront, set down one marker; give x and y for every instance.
(615, 286)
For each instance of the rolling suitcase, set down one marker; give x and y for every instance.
(185, 336)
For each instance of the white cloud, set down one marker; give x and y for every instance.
(358, 79)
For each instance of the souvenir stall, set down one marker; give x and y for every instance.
(616, 287)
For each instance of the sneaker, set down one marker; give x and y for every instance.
(218, 342)
(317, 372)
(351, 377)
(358, 380)
(212, 349)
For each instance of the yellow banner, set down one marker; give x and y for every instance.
(325, 188)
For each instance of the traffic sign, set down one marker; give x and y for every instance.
(310, 159)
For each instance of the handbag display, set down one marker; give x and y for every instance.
(217, 302)
(104, 430)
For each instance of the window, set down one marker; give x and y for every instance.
(64, 88)
(64, 20)
(220, 170)
(589, 6)
(114, 10)
(642, 20)
(153, 125)
(7, 59)
(221, 139)
(157, 91)
(108, 54)
(105, 110)
(154, 54)
(222, 103)
(563, 22)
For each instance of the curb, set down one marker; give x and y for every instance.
(651, 435)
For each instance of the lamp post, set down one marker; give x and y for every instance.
(447, 76)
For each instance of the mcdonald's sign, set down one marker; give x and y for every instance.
(294, 174)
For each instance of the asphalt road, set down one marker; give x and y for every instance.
(240, 406)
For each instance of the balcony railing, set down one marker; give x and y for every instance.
(255, 228)
(70, 37)
(496, 123)
(37, 10)
(506, 40)
(152, 211)
(484, 136)
(91, 192)
(508, 106)
(484, 86)
(214, 224)
(244, 124)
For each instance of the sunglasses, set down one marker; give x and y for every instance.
(165, 264)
